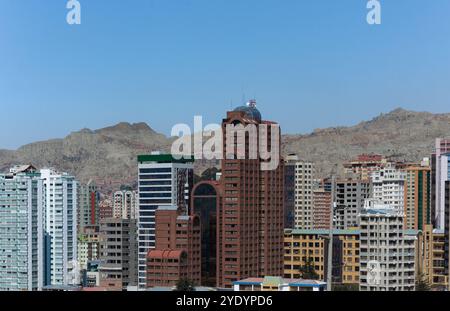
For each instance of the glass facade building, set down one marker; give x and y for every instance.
(162, 181)
(21, 231)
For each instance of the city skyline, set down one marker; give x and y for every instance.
(302, 58)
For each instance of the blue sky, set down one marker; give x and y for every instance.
(309, 63)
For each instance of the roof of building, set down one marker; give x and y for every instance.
(166, 254)
(337, 232)
(250, 110)
(276, 281)
(322, 231)
(165, 158)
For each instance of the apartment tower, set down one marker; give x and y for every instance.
(251, 220)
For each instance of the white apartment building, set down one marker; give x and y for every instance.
(60, 227)
(163, 181)
(303, 200)
(21, 230)
(389, 186)
(125, 204)
(387, 252)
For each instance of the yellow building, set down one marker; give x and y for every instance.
(431, 256)
(303, 246)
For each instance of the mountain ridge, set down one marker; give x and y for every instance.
(108, 155)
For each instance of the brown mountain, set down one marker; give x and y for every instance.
(108, 155)
(399, 134)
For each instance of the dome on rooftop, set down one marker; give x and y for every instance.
(250, 110)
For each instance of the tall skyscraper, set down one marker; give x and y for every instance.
(162, 181)
(387, 254)
(88, 205)
(389, 186)
(22, 248)
(251, 228)
(60, 227)
(440, 173)
(417, 197)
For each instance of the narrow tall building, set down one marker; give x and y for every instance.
(162, 181)
(88, 205)
(60, 227)
(206, 203)
(289, 191)
(304, 187)
(22, 249)
(251, 219)
(440, 173)
(417, 197)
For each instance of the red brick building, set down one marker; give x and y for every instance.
(251, 220)
(177, 250)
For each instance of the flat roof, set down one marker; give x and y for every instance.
(282, 281)
(323, 231)
(164, 158)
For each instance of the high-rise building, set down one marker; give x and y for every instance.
(364, 165)
(389, 186)
(125, 204)
(289, 191)
(251, 219)
(304, 187)
(118, 251)
(440, 173)
(387, 254)
(350, 195)
(321, 209)
(163, 181)
(178, 246)
(22, 249)
(88, 205)
(60, 227)
(417, 197)
(206, 203)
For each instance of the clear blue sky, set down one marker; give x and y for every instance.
(309, 63)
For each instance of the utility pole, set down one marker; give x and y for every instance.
(330, 235)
